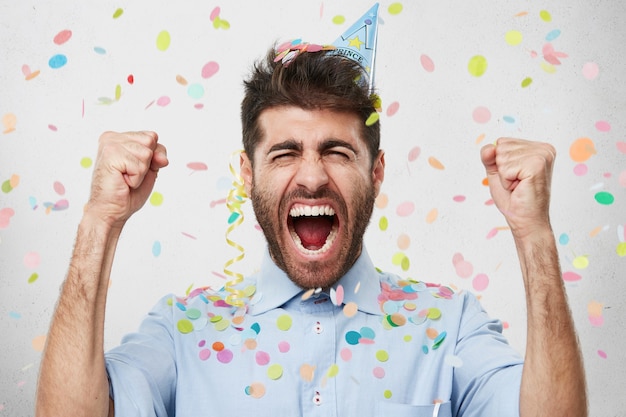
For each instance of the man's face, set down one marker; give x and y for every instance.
(312, 188)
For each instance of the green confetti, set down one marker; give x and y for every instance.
(372, 119)
(526, 82)
(383, 223)
(33, 277)
(604, 198)
(118, 13)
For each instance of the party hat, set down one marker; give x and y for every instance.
(359, 42)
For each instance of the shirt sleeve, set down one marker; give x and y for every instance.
(488, 382)
(142, 369)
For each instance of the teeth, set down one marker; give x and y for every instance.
(312, 211)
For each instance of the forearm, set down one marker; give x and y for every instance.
(73, 377)
(553, 381)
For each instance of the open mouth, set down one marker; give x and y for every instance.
(313, 228)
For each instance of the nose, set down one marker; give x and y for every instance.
(311, 174)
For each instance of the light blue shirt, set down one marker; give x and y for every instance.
(375, 345)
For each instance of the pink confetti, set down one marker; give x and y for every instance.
(590, 70)
(459, 198)
(481, 115)
(62, 37)
(622, 179)
(480, 282)
(5, 217)
(339, 294)
(405, 209)
(26, 70)
(621, 146)
(580, 170)
(571, 276)
(596, 321)
(427, 63)
(414, 153)
(603, 126)
(59, 188)
(346, 354)
(393, 108)
(209, 69)
(215, 13)
(189, 235)
(32, 260)
(52, 127)
(283, 347)
(602, 354)
(262, 358)
(163, 101)
(464, 269)
(492, 233)
(197, 166)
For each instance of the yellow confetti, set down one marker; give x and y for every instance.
(372, 119)
(513, 37)
(156, 199)
(118, 92)
(118, 13)
(549, 68)
(545, 16)
(395, 8)
(581, 262)
(477, 65)
(163, 40)
(86, 162)
(621, 249)
(339, 20)
(526, 82)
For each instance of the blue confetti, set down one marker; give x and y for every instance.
(553, 35)
(57, 61)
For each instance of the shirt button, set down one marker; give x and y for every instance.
(317, 398)
(318, 328)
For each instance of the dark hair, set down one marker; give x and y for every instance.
(312, 81)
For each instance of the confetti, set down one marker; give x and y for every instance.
(590, 70)
(57, 61)
(582, 149)
(163, 40)
(210, 69)
(427, 63)
(435, 163)
(395, 8)
(477, 66)
(62, 37)
(481, 115)
(118, 13)
(9, 121)
(156, 198)
(405, 209)
(513, 37)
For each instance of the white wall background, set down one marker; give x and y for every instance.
(52, 117)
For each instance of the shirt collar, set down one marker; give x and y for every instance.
(361, 285)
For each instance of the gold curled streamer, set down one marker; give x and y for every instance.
(236, 197)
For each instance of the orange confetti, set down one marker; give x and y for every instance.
(595, 231)
(480, 138)
(582, 149)
(435, 163)
(432, 333)
(485, 181)
(432, 216)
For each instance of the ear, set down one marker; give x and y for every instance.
(378, 171)
(245, 170)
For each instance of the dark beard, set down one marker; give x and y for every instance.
(352, 239)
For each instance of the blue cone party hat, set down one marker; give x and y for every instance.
(359, 42)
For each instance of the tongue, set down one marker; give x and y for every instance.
(313, 231)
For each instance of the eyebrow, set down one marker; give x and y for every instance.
(292, 144)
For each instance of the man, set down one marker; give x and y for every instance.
(318, 331)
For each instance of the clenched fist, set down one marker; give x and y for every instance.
(520, 174)
(124, 174)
